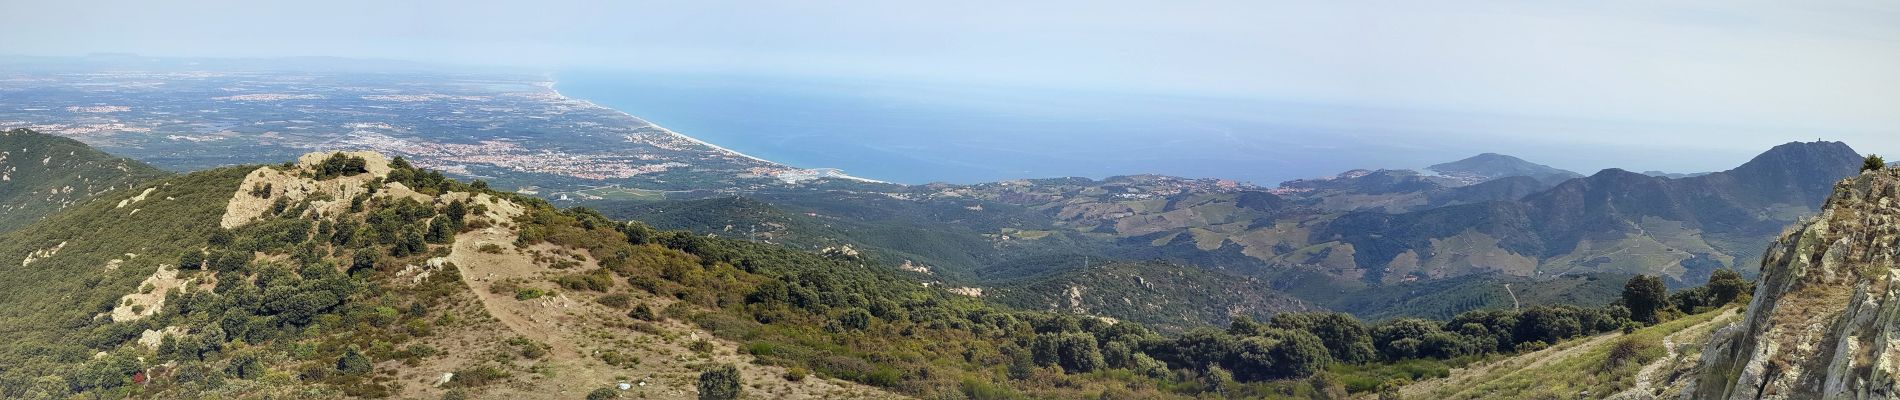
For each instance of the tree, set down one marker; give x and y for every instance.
(300, 308)
(1245, 326)
(226, 261)
(1202, 347)
(1726, 285)
(339, 164)
(1277, 354)
(1645, 296)
(856, 319)
(1079, 353)
(1266, 353)
(1401, 338)
(1254, 359)
(457, 212)
(1220, 381)
(353, 363)
(245, 365)
(364, 259)
(1118, 355)
(1873, 163)
(1073, 351)
(1022, 365)
(1547, 324)
(1346, 338)
(409, 243)
(441, 231)
(191, 260)
(719, 382)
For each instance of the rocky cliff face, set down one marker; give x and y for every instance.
(1825, 319)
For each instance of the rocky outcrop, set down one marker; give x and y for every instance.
(1825, 319)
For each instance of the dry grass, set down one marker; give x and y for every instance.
(1579, 368)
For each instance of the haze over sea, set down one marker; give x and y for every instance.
(920, 133)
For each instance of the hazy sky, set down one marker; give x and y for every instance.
(1734, 75)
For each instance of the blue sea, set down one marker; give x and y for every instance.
(919, 133)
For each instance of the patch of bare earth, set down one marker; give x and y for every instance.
(580, 334)
(150, 296)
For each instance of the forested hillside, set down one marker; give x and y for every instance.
(41, 174)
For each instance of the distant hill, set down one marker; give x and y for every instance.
(1481, 178)
(41, 174)
(1488, 166)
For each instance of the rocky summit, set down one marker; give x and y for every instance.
(1825, 319)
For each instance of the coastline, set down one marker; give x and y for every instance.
(549, 83)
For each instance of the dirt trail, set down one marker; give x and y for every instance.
(1645, 387)
(1514, 304)
(576, 329)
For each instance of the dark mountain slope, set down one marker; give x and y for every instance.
(1501, 189)
(1684, 222)
(41, 174)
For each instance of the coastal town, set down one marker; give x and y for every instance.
(513, 131)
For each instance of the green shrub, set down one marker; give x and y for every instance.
(980, 390)
(616, 300)
(478, 376)
(796, 374)
(353, 363)
(339, 164)
(721, 382)
(603, 394)
(643, 312)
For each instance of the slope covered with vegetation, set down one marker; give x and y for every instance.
(1169, 297)
(41, 174)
